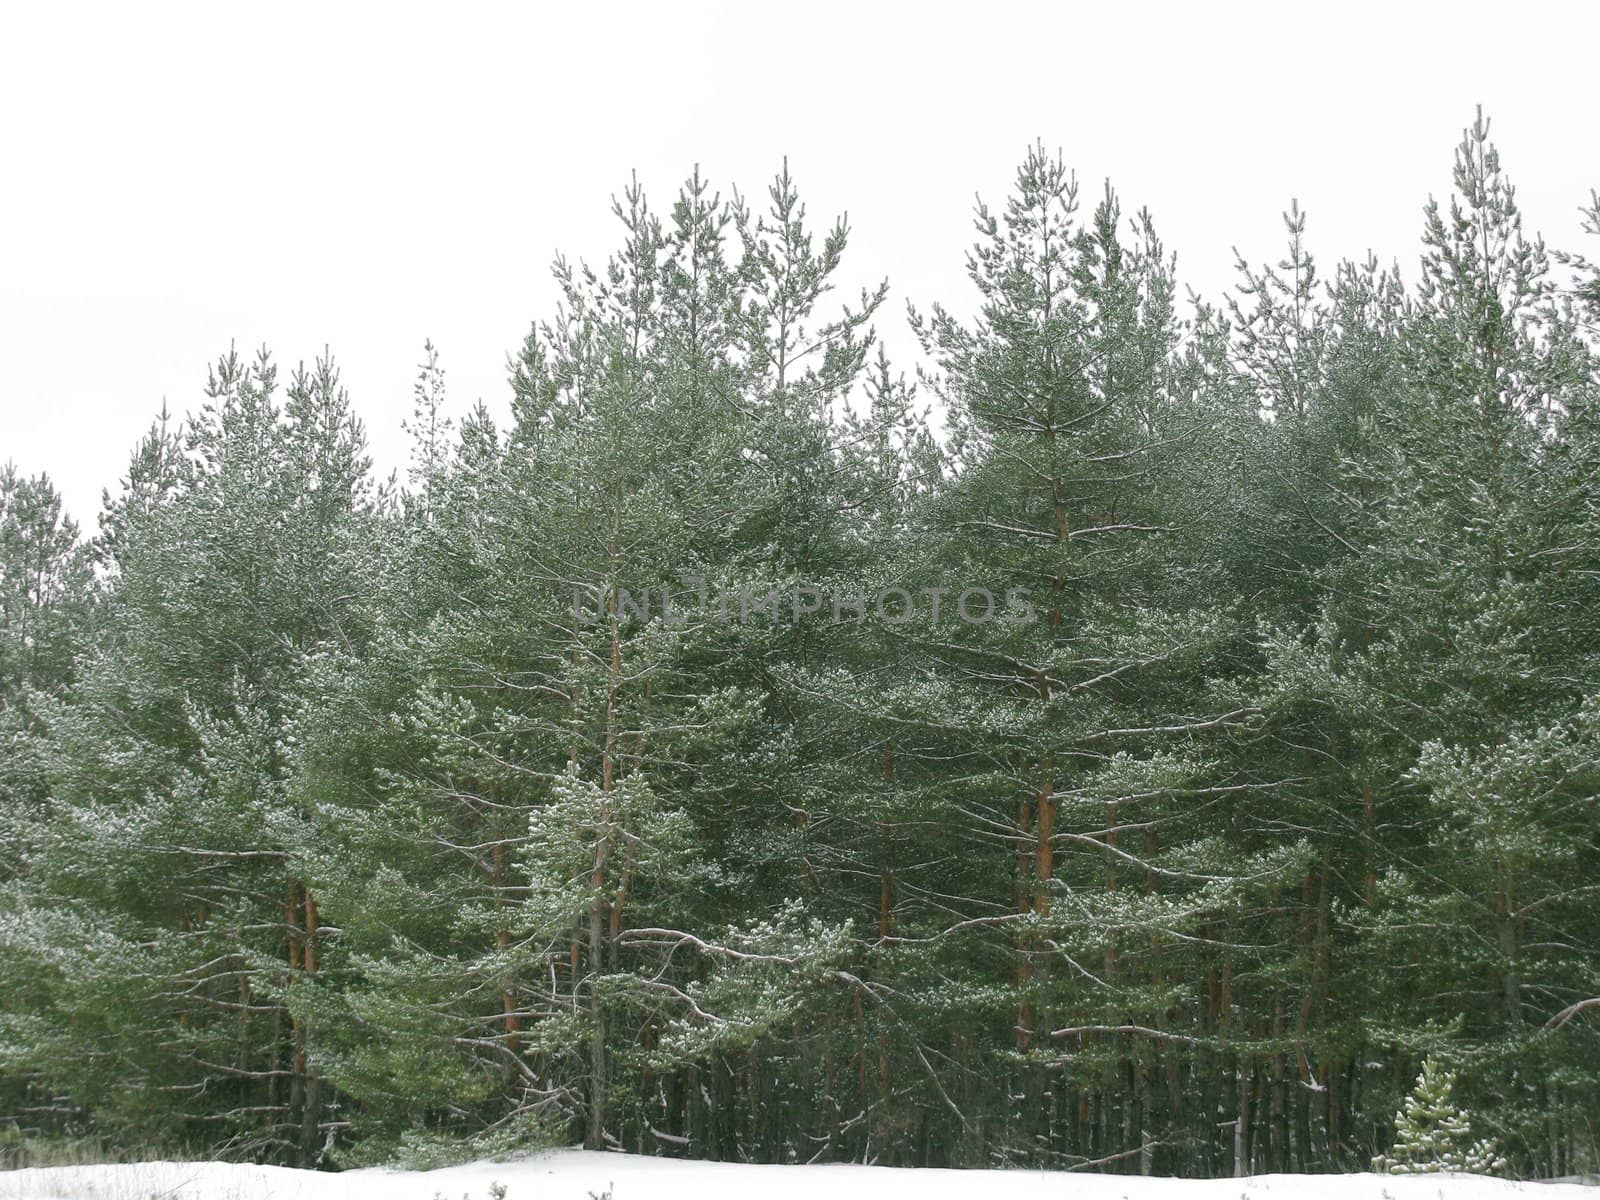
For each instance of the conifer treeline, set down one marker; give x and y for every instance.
(334, 828)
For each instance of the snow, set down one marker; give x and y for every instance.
(580, 1175)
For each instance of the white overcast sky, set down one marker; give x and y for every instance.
(179, 178)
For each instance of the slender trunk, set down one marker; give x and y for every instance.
(311, 1112)
(297, 1028)
(508, 998)
(595, 1137)
(1510, 952)
(1369, 814)
(1044, 861)
(1025, 842)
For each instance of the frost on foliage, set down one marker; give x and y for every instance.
(584, 833)
(1432, 1134)
(763, 974)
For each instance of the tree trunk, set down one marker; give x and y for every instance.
(311, 1111)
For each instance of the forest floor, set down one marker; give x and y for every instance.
(579, 1175)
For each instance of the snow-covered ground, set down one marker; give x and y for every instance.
(579, 1175)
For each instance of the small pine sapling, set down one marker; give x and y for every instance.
(1432, 1134)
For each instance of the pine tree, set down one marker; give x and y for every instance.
(46, 605)
(169, 879)
(1432, 1134)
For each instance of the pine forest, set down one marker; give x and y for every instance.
(1145, 733)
